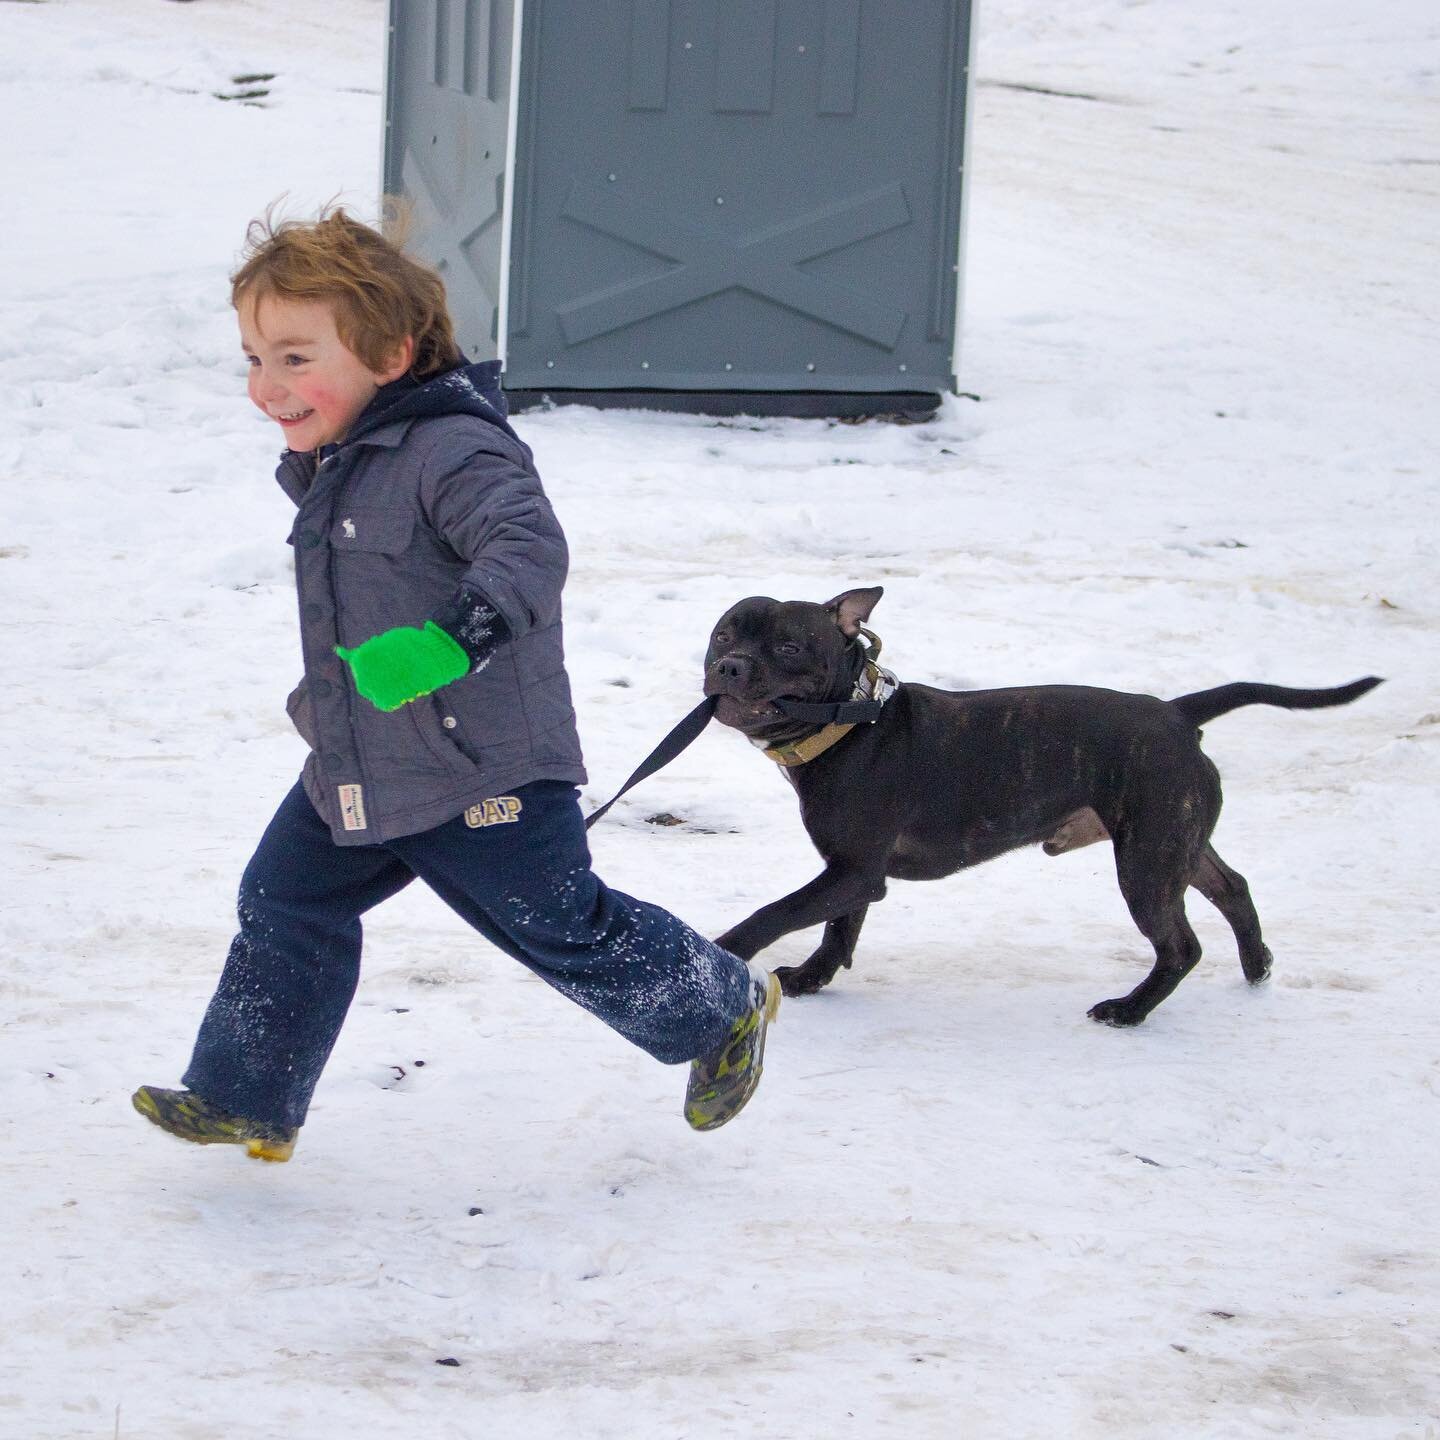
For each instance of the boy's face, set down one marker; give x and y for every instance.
(301, 373)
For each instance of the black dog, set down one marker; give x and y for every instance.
(938, 780)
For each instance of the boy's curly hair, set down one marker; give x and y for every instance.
(380, 296)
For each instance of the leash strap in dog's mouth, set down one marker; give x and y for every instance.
(841, 712)
(875, 686)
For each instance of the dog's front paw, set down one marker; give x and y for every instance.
(1257, 968)
(1120, 1013)
(796, 980)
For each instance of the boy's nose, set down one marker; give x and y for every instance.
(268, 387)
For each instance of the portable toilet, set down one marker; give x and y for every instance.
(726, 206)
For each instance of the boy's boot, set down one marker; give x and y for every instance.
(722, 1081)
(187, 1115)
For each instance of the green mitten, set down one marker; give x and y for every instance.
(401, 665)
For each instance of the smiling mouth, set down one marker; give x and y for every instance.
(296, 418)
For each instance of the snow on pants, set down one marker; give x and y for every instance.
(523, 880)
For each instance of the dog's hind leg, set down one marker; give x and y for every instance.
(837, 948)
(1155, 895)
(1227, 891)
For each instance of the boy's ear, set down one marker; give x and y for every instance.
(400, 361)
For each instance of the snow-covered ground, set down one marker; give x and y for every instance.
(1202, 325)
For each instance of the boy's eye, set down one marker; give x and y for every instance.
(295, 359)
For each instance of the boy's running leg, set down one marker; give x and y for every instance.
(289, 978)
(518, 870)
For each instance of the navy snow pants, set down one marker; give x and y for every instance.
(523, 881)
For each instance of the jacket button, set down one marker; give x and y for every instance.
(320, 688)
(314, 612)
(334, 762)
(449, 722)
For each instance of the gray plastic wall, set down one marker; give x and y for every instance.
(707, 195)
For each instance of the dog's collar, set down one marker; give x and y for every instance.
(801, 752)
(874, 687)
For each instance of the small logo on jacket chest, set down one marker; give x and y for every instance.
(347, 529)
(502, 810)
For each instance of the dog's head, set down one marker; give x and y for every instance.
(764, 650)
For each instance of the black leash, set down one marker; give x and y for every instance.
(849, 712)
(677, 740)
(843, 712)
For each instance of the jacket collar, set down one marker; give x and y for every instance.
(463, 390)
(385, 421)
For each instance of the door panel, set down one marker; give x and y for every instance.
(737, 194)
(449, 87)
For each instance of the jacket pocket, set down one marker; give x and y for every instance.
(479, 719)
(438, 729)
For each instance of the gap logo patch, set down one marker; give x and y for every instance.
(502, 810)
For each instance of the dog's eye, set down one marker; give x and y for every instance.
(787, 648)
(720, 637)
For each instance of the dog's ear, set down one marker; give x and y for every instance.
(852, 609)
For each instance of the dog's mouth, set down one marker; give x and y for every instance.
(744, 714)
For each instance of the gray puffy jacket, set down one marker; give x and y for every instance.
(430, 489)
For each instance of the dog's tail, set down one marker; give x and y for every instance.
(1205, 705)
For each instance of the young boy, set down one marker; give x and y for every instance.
(435, 703)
